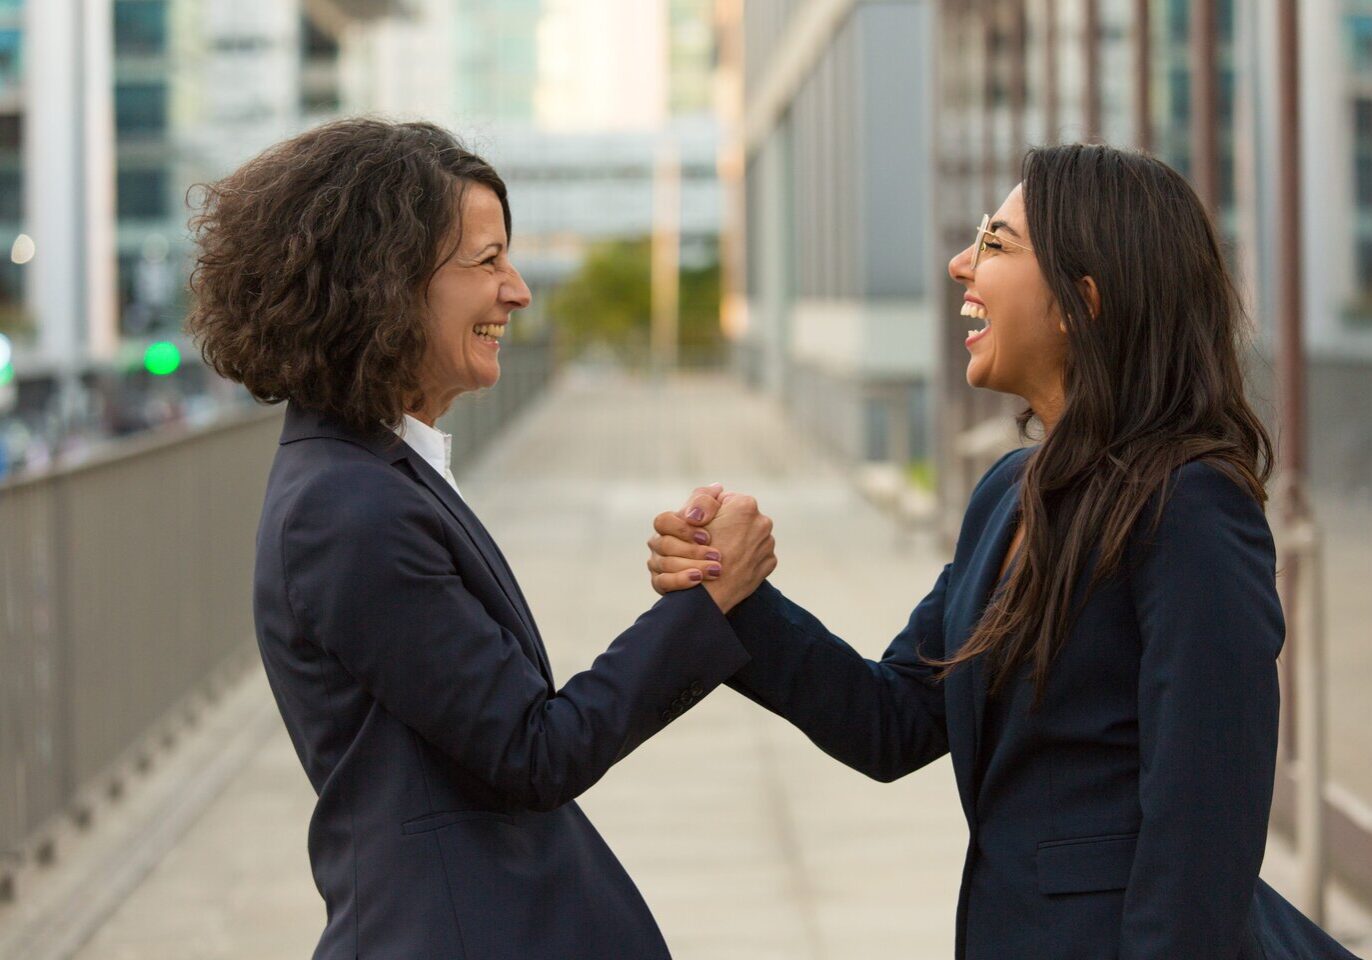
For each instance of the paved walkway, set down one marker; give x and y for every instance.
(747, 842)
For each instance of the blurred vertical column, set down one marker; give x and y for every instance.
(1204, 125)
(1090, 38)
(666, 255)
(1051, 115)
(1300, 541)
(1019, 83)
(1143, 87)
(69, 162)
(731, 164)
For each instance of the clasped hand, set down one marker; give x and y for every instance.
(719, 539)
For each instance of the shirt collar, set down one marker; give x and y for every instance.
(432, 444)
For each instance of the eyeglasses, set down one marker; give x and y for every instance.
(979, 245)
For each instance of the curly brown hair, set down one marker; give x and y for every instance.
(315, 255)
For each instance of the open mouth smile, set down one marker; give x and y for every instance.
(977, 312)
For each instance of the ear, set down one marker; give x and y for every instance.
(1091, 294)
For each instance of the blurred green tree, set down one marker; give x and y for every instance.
(608, 302)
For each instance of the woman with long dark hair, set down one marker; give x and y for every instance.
(1100, 655)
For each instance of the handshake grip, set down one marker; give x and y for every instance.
(719, 539)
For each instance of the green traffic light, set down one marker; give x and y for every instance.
(161, 358)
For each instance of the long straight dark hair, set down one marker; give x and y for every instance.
(1154, 381)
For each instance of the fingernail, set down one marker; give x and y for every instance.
(695, 514)
(711, 554)
(713, 569)
(702, 537)
(694, 575)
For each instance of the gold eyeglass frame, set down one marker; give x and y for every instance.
(979, 245)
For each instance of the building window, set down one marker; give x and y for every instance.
(11, 195)
(315, 43)
(142, 194)
(140, 28)
(319, 100)
(11, 132)
(140, 108)
(11, 58)
(1362, 120)
(1358, 37)
(1359, 311)
(1362, 152)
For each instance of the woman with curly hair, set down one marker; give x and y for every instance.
(361, 273)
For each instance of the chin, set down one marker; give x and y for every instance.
(977, 376)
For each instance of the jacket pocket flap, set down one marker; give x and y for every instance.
(434, 821)
(1088, 865)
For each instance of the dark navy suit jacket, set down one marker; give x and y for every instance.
(1126, 816)
(417, 692)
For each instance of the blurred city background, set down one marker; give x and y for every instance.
(735, 217)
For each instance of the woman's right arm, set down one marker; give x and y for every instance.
(883, 718)
(372, 582)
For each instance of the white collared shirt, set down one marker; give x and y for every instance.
(435, 446)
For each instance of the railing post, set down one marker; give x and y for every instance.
(1303, 542)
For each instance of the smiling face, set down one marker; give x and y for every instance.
(468, 304)
(1016, 340)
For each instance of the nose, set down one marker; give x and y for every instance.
(960, 267)
(515, 292)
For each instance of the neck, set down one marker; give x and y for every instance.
(1048, 409)
(428, 408)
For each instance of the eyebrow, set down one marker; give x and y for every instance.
(998, 224)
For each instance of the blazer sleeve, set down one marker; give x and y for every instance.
(883, 718)
(1211, 628)
(372, 582)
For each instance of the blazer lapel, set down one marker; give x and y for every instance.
(485, 546)
(302, 424)
(967, 686)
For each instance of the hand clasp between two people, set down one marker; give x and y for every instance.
(719, 538)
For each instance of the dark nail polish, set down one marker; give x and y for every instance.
(701, 536)
(713, 569)
(711, 554)
(694, 575)
(695, 514)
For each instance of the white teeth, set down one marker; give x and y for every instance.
(970, 309)
(493, 330)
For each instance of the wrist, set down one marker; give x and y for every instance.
(724, 597)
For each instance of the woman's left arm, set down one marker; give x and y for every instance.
(1211, 627)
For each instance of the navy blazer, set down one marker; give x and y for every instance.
(1124, 817)
(417, 692)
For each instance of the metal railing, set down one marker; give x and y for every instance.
(124, 582)
(125, 593)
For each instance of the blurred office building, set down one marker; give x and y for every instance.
(836, 131)
(876, 134)
(110, 112)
